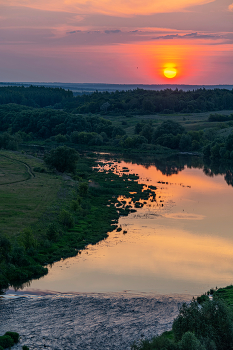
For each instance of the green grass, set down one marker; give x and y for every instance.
(23, 198)
(190, 121)
(226, 294)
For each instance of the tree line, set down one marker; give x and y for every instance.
(141, 101)
(33, 96)
(136, 101)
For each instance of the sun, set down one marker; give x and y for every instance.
(170, 72)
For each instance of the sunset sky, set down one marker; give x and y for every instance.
(116, 41)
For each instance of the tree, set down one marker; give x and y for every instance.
(211, 324)
(62, 158)
(168, 127)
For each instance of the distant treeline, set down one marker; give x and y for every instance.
(137, 101)
(33, 96)
(148, 102)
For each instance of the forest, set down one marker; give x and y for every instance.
(136, 101)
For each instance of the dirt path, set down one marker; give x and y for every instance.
(88, 322)
(29, 171)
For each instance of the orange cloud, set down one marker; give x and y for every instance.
(110, 7)
(230, 7)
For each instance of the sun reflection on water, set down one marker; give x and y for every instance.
(179, 240)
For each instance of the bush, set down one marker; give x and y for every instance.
(6, 341)
(83, 189)
(25, 347)
(202, 299)
(14, 336)
(62, 158)
(52, 233)
(18, 256)
(39, 170)
(190, 342)
(161, 342)
(66, 218)
(212, 320)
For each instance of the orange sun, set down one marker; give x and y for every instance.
(170, 72)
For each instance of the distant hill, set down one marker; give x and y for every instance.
(79, 88)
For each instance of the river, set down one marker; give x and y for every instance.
(180, 243)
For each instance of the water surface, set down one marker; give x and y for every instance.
(180, 243)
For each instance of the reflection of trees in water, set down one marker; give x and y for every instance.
(174, 165)
(170, 166)
(219, 168)
(229, 177)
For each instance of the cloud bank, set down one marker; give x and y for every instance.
(108, 7)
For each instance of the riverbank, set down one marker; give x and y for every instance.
(88, 321)
(82, 210)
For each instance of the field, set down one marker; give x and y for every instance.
(24, 194)
(190, 121)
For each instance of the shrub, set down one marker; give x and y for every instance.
(39, 170)
(83, 189)
(14, 336)
(5, 247)
(25, 347)
(62, 158)
(75, 206)
(190, 342)
(28, 238)
(18, 256)
(202, 299)
(52, 233)
(6, 341)
(66, 218)
(161, 342)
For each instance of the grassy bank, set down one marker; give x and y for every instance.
(47, 216)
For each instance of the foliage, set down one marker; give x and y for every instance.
(212, 320)
(190, 342)
(220, 149)
(140, 101)
(168, 127)
(66, 219)
(83, 189)
(6, 341)
(14, 336)
(219, 117)
(133, 101)
(33, 95)
(208, 327)
(62, 158)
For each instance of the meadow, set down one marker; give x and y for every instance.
(24, 195)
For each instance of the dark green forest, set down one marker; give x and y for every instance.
(120, 121)
(33, 96)
(141, 101)
(137, 101)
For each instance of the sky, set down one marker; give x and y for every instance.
(117, 41)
